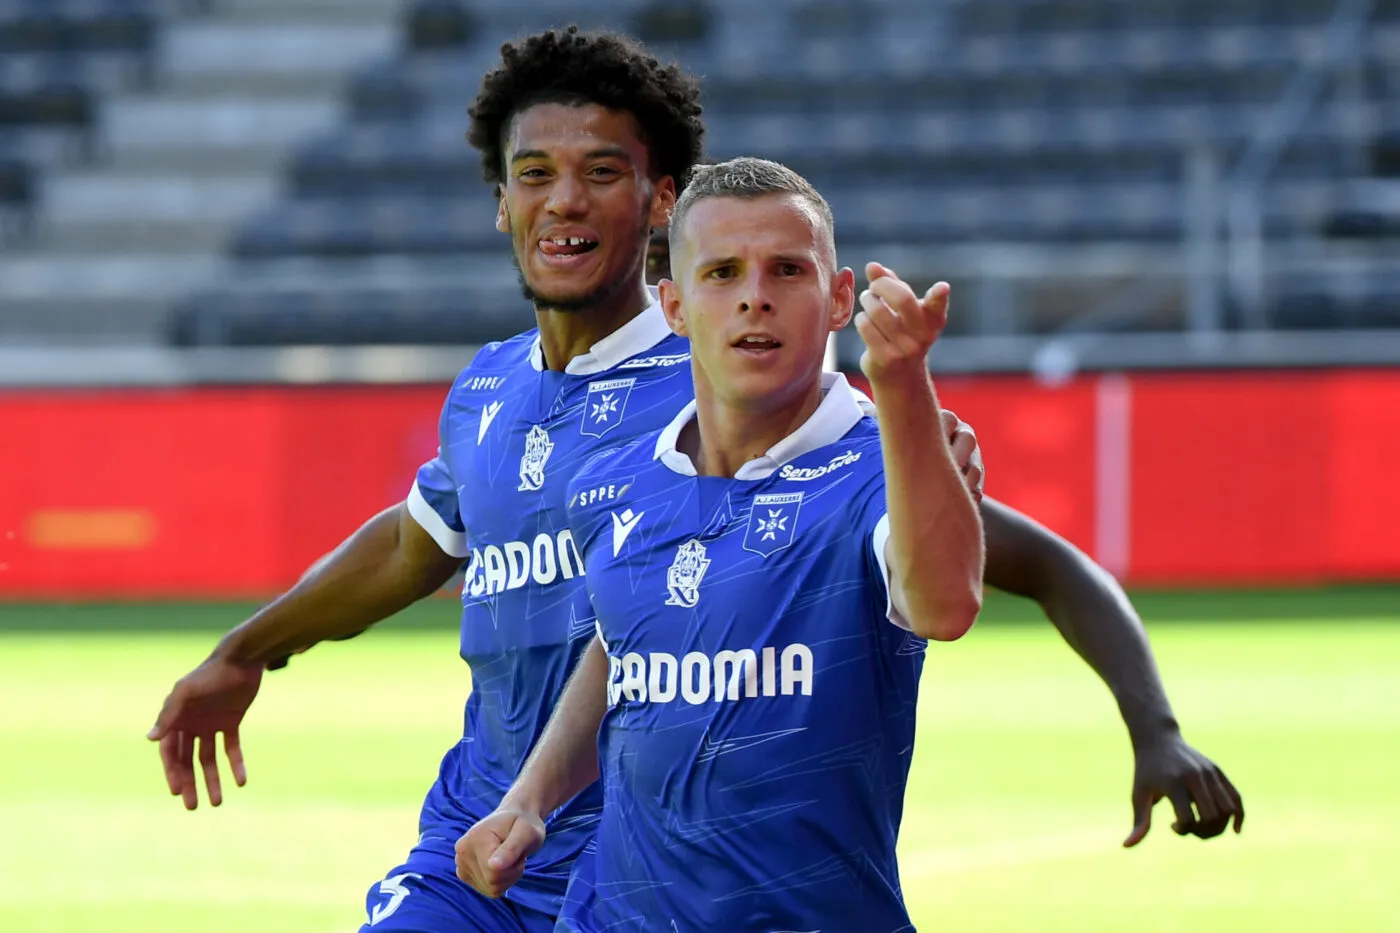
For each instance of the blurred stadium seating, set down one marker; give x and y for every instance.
(1070, 165)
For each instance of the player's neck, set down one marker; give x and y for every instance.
(567, 334)
(722, 438)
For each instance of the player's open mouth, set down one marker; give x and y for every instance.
(564, 246)
(757, 344)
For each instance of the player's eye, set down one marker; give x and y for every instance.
(533, 174)
(789, 269)
(720, 272)
(604, 171)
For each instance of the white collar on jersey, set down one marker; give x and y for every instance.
(638, 335)
(841, 407)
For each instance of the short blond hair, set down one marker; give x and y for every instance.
(747, 177)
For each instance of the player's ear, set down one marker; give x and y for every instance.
(663, 199)
(502, 213)
(671, 306)
(843, 298)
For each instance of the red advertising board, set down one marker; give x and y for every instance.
(1233, 478)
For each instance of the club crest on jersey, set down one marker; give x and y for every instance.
(538, 447)
(772, 523)
(686, 572)
(605, 405)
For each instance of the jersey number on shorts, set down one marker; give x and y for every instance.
(397, 892)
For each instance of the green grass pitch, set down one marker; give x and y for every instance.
(1016, 807)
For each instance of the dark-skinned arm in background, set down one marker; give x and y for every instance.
(1095, 617)
(390, 563)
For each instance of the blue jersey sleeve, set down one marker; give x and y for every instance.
(433, 501)
(875, 517)
(874, 523)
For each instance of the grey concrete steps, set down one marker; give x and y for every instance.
(179, 166)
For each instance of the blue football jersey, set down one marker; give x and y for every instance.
(512, 435)
(761, 687)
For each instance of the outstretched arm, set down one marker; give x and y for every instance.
(1088, 607)
(1095, 617)
(387, 564)
(934, 550)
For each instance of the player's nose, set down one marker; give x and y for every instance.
(568, 197)
(754, 296)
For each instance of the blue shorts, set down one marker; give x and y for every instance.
(424, 895)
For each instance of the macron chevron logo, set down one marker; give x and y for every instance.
(622, 527)
(488, 414)
(711, 749)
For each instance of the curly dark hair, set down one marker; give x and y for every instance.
(573, 67)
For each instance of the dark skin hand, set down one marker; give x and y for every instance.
(388, 564)
(1094, 616)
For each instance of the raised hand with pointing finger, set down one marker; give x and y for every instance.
(898, 327)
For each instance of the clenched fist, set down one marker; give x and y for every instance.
(491, 856)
